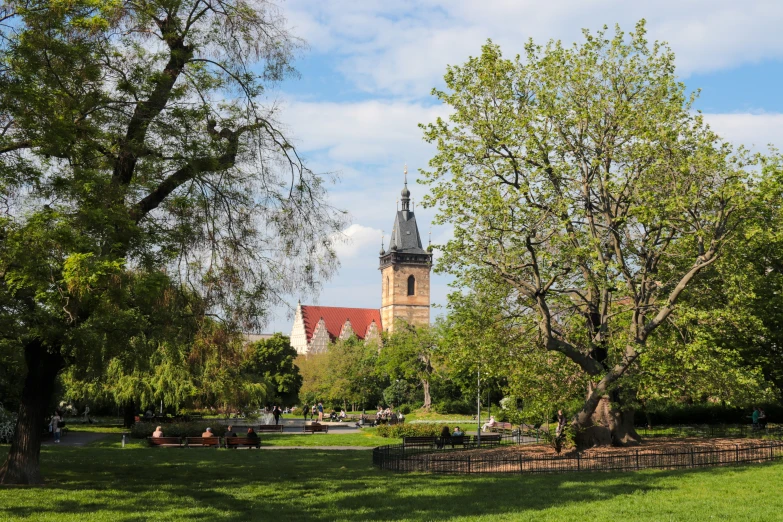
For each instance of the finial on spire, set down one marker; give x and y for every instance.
(383, 250)
(405, 172)
(406, 194)
(429, 243)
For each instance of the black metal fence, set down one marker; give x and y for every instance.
(447, 460)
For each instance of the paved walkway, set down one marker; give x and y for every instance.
(77, 438)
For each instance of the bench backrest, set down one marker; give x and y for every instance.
(204, 441)
(164, 440)
(419, 440)
(316, 427)
(270, 427)
(239, 441)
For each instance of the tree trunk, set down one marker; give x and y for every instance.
(425, 384)
(22, 466)
(129, 414)
(608, 424)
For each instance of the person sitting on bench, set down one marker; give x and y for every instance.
(230, 432)
(445, 436)
(252, 435)
(208, 433)
(490, 424)
(458, 432)
(157, 433)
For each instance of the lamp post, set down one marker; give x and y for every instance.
(478, 407)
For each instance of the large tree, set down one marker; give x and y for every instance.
(410, 353)
(272, 360)
(581, 184)
(135, 140)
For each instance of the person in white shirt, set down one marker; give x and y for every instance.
(490, 424)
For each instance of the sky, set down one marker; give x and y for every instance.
(369, 68)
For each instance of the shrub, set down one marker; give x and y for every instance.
(405, 409)
(142, 430)
(7, 425)
(460, 407)
(399, 431)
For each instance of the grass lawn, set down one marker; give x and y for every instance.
(105, 483)
(363, 438)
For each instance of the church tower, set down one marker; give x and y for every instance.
(405, 271)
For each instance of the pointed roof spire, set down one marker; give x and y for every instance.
(383, 250)
(405, 193)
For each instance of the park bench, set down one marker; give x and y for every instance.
(268, 428)
(420, 441)
(502, 427)
(235, 442)
(460, 440)
(315, 428)
(202, 442)
(488, 440)
(165, 442)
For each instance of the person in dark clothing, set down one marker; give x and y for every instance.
(253, 436)
(306, 410)
(230, 432)
(276, 411)
(445, 436)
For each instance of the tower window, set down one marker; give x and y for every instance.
(411, 285)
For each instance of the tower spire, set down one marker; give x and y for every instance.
(406, 194)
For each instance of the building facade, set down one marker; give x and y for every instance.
(405, 293)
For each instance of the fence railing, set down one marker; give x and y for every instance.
(446, 460)
(713, 431)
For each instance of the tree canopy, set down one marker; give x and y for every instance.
(140, 159)
(586, 195)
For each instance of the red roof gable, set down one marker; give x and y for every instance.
(335, 317)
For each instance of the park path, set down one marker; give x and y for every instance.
(76, 438)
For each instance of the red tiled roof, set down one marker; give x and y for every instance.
(335, 317)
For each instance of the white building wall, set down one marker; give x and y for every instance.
(298, 333)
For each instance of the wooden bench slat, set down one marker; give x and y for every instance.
(205, 442)
(165, 441)
(270, 428)
(315, 428)
(243, 441)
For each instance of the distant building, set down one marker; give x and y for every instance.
(405, 292)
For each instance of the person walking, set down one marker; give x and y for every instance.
(320, 412)
(755, 417)
(305, 410)
(276, 412)
(56, 424)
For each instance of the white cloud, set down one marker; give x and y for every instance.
(752, 130)
(403, 47)
(374, 131)
(354, 240)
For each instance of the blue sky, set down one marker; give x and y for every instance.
(369, 68)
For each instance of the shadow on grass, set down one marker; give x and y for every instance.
(138, 483)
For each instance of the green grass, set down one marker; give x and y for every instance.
(105, 483)
(363, 438)
(97, 428)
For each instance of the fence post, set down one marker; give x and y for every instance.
(578, 465)
(637, 460)
(468, 463)
(736, 452)
(520, 465)
(693, 463)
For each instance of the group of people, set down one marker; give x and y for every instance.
(313, 411)
(251, 433)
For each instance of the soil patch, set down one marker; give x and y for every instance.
(659, 453)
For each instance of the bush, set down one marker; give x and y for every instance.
(675, 414)
(405, 409)
(399, 431)
(460, 407)
(142, 430)
(7, 425)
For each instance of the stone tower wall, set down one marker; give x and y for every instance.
(395, 301)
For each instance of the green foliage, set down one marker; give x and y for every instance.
(142, 430)
(7, 425)
(273, 361)
(409, 354)
(397, 431)
(587, 197)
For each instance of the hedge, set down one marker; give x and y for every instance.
(142, 430)
(398, 431)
